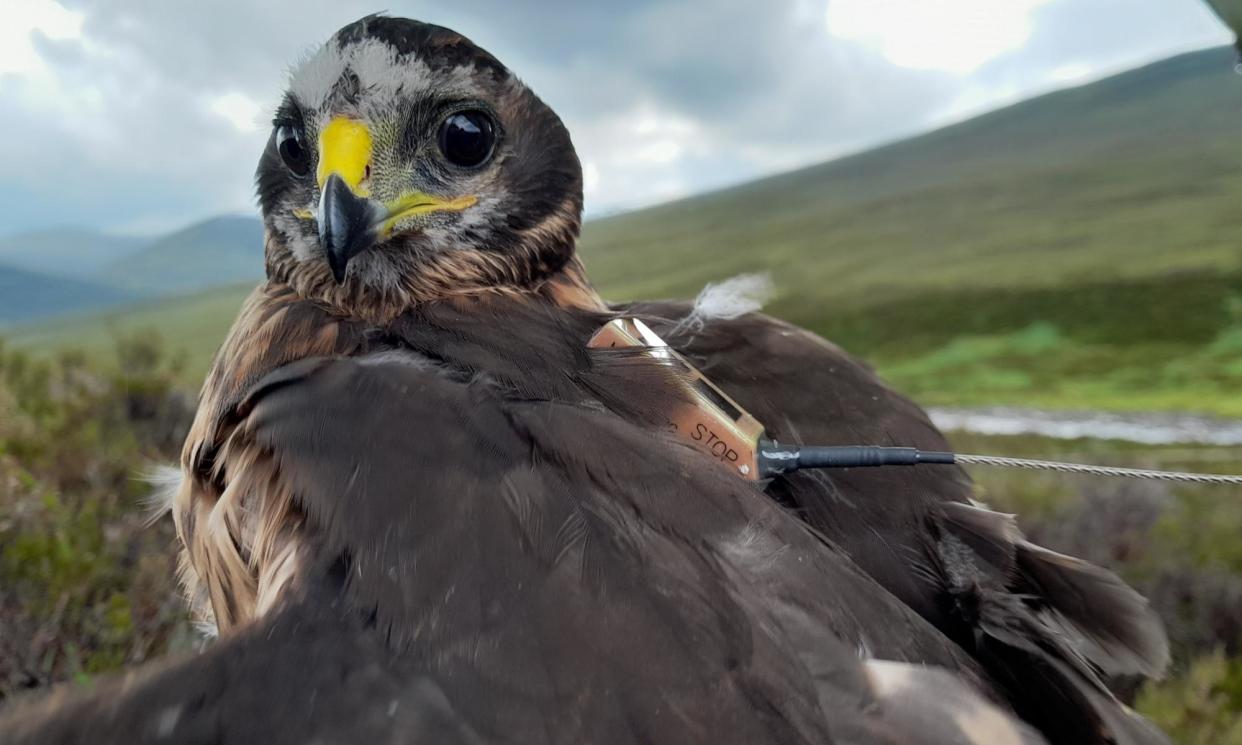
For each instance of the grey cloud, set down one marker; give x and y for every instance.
(1106, 34)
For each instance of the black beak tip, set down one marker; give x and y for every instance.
(345, 225)
(338, 267)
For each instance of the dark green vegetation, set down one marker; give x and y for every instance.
(85, 585)
(1077, 250)
(1173, 343)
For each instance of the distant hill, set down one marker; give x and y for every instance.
(26, 295)
(66, 252)
(215, 252)
(1137, 175)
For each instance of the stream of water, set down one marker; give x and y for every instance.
(1147, 428)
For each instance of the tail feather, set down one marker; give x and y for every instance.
(1091, 608)
(1051, 682)
(1048, 624)
(1108, 622)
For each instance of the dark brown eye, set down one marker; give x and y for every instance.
(290, 145)
(467, 138)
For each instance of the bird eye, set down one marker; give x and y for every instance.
(467, 138)
(291, 148)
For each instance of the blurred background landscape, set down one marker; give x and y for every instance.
(1056, 277)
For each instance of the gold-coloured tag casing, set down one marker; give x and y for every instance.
(713, 424)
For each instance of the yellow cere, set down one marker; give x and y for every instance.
(420, 203)
(345, 149)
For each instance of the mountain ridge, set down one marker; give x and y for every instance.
(217, 251)
(29, 295)
(67, 251)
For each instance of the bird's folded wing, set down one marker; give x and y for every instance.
(536, 572)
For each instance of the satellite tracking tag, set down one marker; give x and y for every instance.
(712, 423)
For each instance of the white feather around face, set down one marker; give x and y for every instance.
(382, 76)
(374, 62)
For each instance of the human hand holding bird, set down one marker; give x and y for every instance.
(1230, 11)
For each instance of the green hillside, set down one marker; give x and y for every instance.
(1138, 175)
(1078, 249)
(214, 252)
(193, 324)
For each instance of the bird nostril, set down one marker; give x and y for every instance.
(366, 172)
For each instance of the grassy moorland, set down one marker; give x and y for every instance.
(193, 325)
(1143, 344)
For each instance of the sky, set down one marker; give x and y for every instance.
(141, 116)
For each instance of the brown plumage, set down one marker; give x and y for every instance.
(476, 575)
(419, 510)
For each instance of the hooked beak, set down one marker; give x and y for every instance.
(350, 221)
(348, 224)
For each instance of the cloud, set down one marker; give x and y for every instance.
(27, 21)
(955, 37)
(240, 110)
(1075, 41)
(138, 114)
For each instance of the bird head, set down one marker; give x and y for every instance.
(407, 163)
